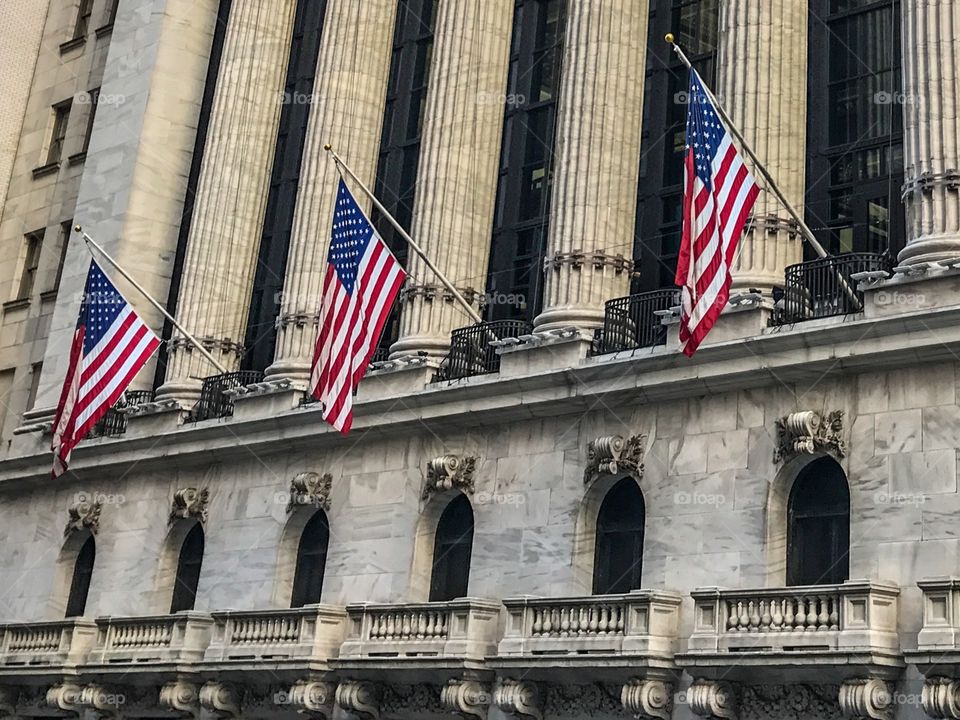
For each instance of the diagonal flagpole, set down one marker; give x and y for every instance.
(91, 243)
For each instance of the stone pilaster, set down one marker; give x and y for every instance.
(459, 159)
(352, 73)
(762, 83)
(931, 105)
(594, 203)
(232, 193)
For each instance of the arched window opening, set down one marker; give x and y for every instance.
(618, 561)
(311, 561)
(818, 526)
(188, 571)
(452, 548)
(80, 584)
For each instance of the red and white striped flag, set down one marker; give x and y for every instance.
(362, 281)
(719, 195)
(110, 345)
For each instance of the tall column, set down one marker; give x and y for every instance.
(762, 83)
(459, 161)
(931, 86)
(232, 193)
(594, 204)
(352, 73)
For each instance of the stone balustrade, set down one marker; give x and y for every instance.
(62, 643)
(313, 631)
(179, 638)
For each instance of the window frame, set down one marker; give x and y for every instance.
(58, 132)
(609, 536)
(185, 587)
(308, 575)
(811, 524)
(81, 577)
(450, 564)
(30, 268)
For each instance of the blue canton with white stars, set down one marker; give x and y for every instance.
(102, 303)
(705, 132)
(351, 235)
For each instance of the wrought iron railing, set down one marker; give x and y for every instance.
(214, 402)
(631, 322)
(471, 352)
(114, 423)
(825, 288)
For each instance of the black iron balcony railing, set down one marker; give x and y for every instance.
(631, 322)
(214, 402)
(825, 288)
(471, 352)
(114, 423)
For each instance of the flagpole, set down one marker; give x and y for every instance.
(196, 343)
(475, 316)
(804, 228)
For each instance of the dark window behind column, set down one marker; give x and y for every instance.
(855, 126)
(402, 128)
(660, 191)
(272, 264)
(526, 159)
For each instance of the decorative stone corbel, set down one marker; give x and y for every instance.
(809, 432)
(648, 699)
(713, 699)
(314, 698)
(467, 698)
(520, 698)
(867, 698)
(9, 697)
(359, 699)
(181, 697)
(65, 697)
(941, 698)
(220, 699)
(83, 515)
(189, 503)
(102, 701)
(612, 455)
(448, 472)
(309, 488)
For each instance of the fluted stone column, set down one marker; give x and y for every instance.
(762, 83)
(459, 161)
(594, 203)
(352, 73)
(232, 193)
(931, 85)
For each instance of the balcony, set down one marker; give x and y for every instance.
(631, 322)
(825, 287)
(114, 423)
(214, 401)
(938, 646)
(56, 648)
(159, 643)
(471, 352)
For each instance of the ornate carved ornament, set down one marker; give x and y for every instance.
(65, 697)
(467, 698)
(83, 515)
(520, 698)
(313, 698)
(431, 291)
(181, 697)
(448, 472)
(360, 699)
(190, 503)
(941, 698)
(648, 699)
(790, 702)
(220, 699)
(103, 702)
(713, 699)
(809, 432)
(417, 700)
(309, 488)
(597, 260)
(612, 455)
(867, 698)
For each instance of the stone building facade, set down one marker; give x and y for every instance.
(553, 514)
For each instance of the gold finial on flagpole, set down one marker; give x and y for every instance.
(669, 38)
(78, 228)
(328, 147)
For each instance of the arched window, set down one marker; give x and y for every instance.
(618, 559)
(818, 526)
(452, 547)
(311, 561)
(80, 584)
(188, 570)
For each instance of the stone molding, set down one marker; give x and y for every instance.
(181, 697)
(220, 699)
(431, 291)
(310, 488)
(520, 698)
(809, 432)
(102, 701)
(448, 472)
(648, 699)
(597, 260)
(467, 698)
(359, 699)
(314, 698)
(867, 698)
(189, 503)
(65, 697)
(614, 454)
(941, 698)
(83, 515)
(713, 699)
(225, 346)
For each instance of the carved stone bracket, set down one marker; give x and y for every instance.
(83, 515)
(713, 699)
(520, 698)
(220, 699)
(181, 697)
(309, 488)
(448, 472)
(189, 503)
(867, 698)
(360, 699)
(102, 701)
(467, 698)
(65, 697)
(648, 699)
(612, 455)
(9, 696)
(809, 432)
(941, 698)
(313, 698)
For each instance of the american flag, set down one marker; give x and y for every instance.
(362, 281)
(719, 194)
(110, 345)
